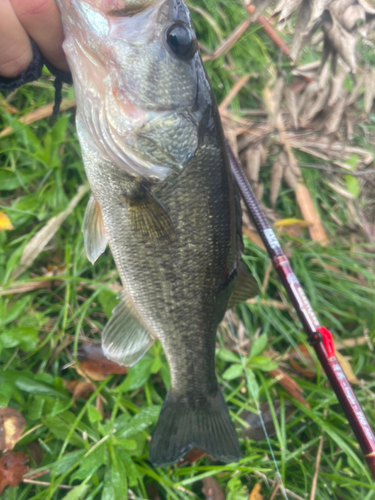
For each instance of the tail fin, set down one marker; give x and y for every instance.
(183, 426)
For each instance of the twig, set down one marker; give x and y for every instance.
(233, 92)
(276, 489)
(267, 277)
(38, 114)
(273, 482)
(270, 32)
(270, 303)
(44, 483)
(317, 465)
(360, 173)
(230, 41)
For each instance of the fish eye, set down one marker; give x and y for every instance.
(181, 41)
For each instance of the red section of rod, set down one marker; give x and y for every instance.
(319, 336)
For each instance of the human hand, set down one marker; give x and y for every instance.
(21, 19)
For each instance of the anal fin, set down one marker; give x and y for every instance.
(94, 235)
(149, 217)
(245, 288)
(125, 340)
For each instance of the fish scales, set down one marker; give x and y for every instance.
(165, 201)
(198, 203)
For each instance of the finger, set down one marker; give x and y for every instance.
(42, 21)
(16, 53)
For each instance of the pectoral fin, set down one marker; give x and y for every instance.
(125, 340)
(94, 235)
(150, 218)
(245, 288)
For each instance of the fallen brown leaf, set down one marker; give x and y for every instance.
(192, 456)
(96, 365)
(255, 493)
(212, 489)
(347, 368)
(12, 468)
(12, 425)
(306, 204)
(289, 385)
(276, 177)
(309, 369)
(79, 388)
(253, 236)
(6, 106)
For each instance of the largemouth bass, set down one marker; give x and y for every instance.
(164, 199)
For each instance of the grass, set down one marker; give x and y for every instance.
(41, 330)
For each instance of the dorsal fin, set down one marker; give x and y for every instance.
(94, 235)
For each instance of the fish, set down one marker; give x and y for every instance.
(164, 199)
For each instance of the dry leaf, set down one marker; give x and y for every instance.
(317, 9)
(5, 223)
(300, 35)
(290, 178)
(192, 456)
(276, 176)
(337, 87)
(347, 368)
(12, 469)
(79, 388)
(6, 106)
(334, 120)
(95, 364)
(318, 105)
(259, 190)
(369, 90)
(255, 493)
(253, 162)
(340, 39)
(358, 87)
(253, 236)
(308, 97)
(289, 385)
(291, 103)
(39, 241)
(324, 76)
(341, 191)
(12, 425)
(274, 98)
(309, 369)
(310, 214)
(212, 489)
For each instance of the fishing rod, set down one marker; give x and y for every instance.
(318, 336)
